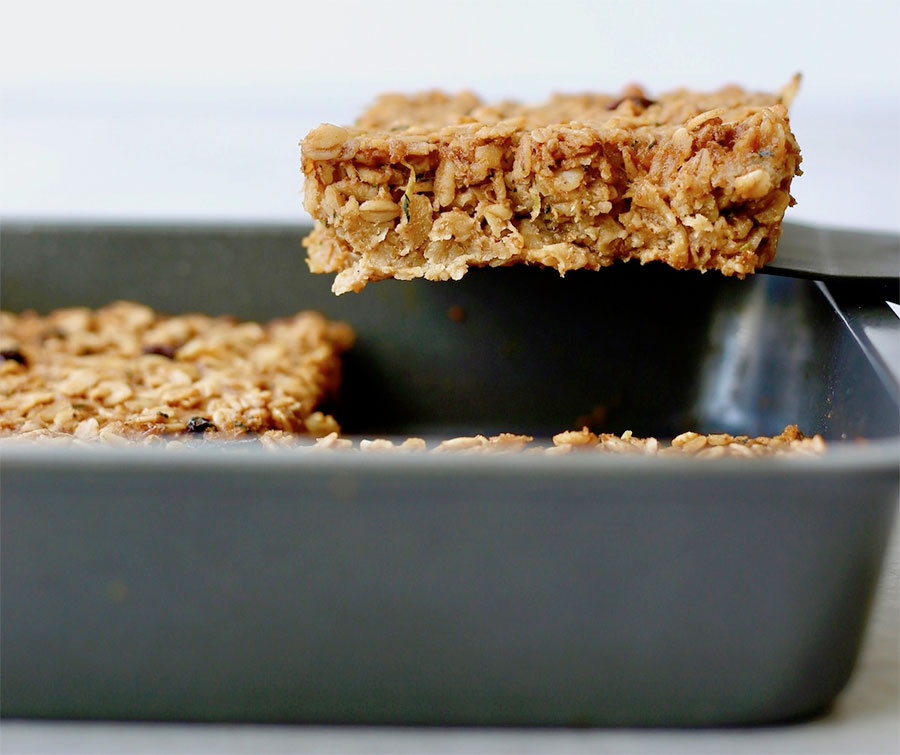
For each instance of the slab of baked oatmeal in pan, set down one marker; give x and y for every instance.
(221, 581)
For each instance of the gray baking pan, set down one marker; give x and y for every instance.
(227, 583)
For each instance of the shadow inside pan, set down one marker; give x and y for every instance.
(517, 349)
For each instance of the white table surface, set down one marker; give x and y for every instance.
(238, 163)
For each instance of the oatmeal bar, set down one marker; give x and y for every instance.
(426, 186)
(126, 371)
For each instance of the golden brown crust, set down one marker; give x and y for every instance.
(430, 185)
(124, 371)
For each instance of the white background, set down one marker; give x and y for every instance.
(181, 110)
(194, 110)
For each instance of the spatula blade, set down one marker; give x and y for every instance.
(807, 251)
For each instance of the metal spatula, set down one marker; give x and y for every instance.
(806, 251)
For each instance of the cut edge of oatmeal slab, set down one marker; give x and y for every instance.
(126, 372)
(430, 185)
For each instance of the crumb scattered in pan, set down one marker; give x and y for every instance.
(381, 444)
(126, 373)
(690, 444)
(502, 443)
(789, 441)
(332, 441)
(573, 440)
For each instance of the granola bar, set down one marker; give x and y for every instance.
(124, 371)
(427, 186)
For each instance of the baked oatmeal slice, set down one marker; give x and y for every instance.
(426, 186)
(126, 371)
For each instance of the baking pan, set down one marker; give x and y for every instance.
(227, 583)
